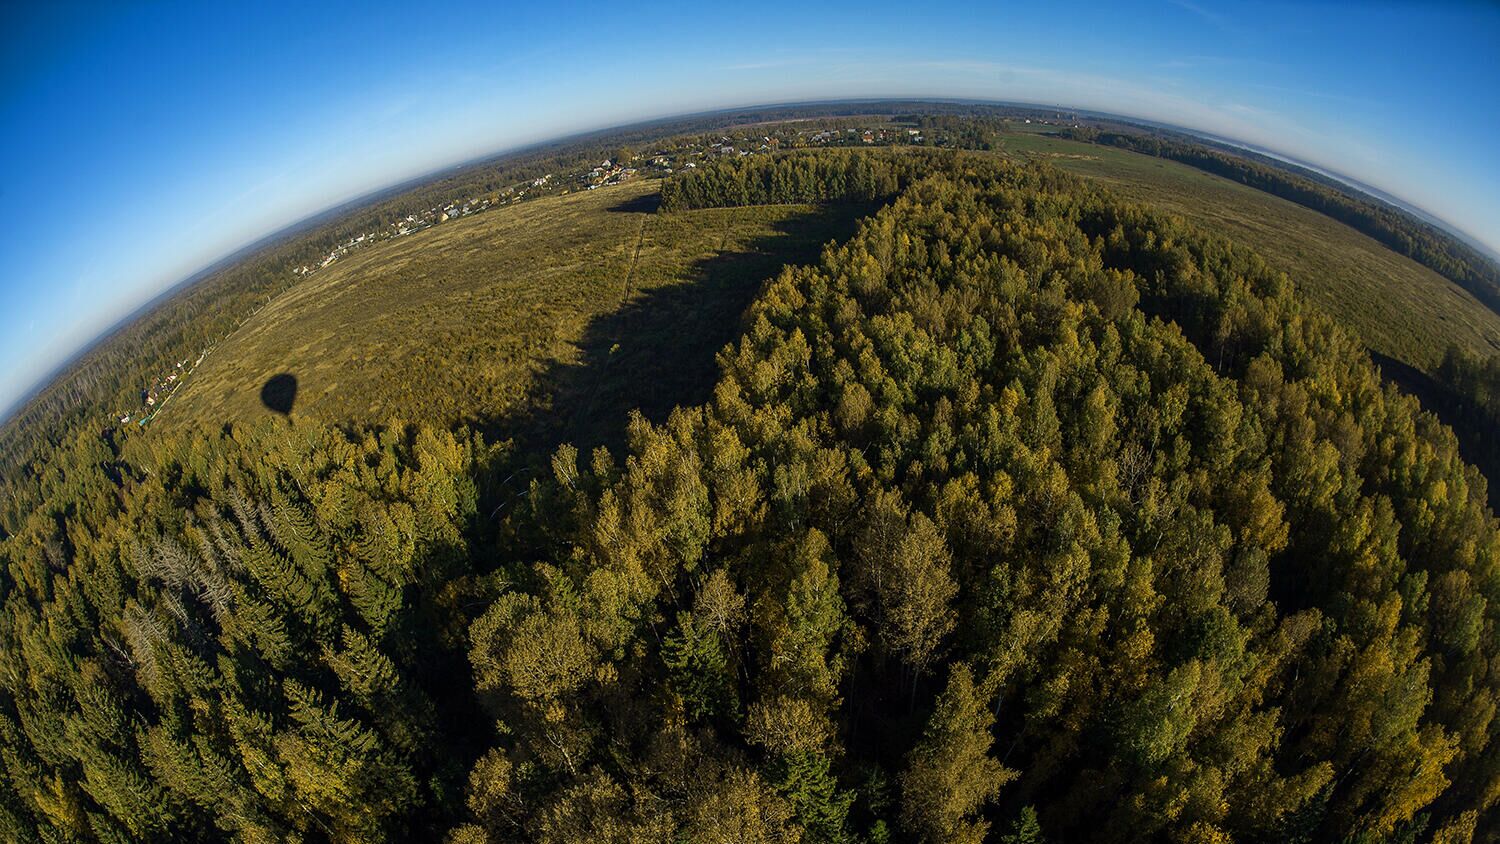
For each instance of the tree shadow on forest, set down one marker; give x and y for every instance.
(654, 352)
(657, 351)
(1471, 433)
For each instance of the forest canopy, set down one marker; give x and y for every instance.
(1025, 514)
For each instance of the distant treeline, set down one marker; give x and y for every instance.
(1397, 229)
(796, 177)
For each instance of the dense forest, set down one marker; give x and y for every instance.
(1397, 229)
(1476, 379)
(804, 177)
(1023, 515)
(1465, 391)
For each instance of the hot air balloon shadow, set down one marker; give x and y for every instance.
(280, 393)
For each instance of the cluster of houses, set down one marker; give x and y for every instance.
(881, 135)
(607, 173)
(840, 137)
(412, 223)
(160, 389)
(685, 154)
(688, 153)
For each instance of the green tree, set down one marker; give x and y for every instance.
(950, 775)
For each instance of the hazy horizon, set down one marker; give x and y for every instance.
(121, 207)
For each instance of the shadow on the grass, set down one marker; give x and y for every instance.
(645, 204)
(279, 393)
(658, 350)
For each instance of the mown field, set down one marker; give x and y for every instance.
(1396, 306)
(552, 317)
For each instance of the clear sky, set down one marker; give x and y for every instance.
(140, 142)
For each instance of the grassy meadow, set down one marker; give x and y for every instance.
(550, 318)
(1396, 306)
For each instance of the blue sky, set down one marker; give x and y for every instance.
(140, 142)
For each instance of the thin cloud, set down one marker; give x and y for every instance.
(968, 66)
(768, 65)
(1253, 111)
(1196, 61)
(1320, 95)
(1179, 105)
(1214, 18)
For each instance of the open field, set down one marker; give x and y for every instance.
(543, 311)
(1398, 307)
